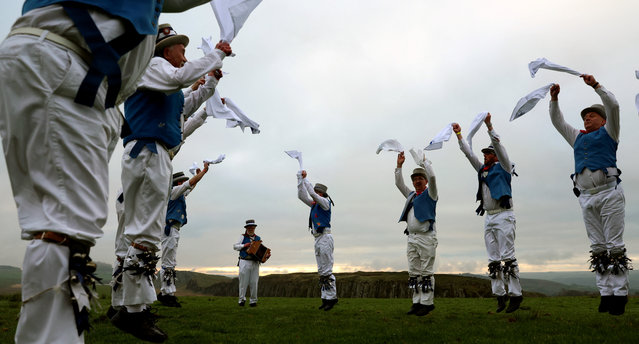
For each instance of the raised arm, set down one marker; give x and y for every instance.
(197, 97)
(432, 181)
(193, 122)
(500, 150)
(463, 146)
(162, 76)
(322, 201)
(179, 190)
(399, 179)
(610, 104)
(301, 189)
(557, 118)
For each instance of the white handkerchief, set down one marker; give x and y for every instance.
(474, 126)
(231, 15)
(193, 169)
(542, 62)
(216, 109)
(442, 136)
(216, 161)
(243, 121)
(296, 155)
(207, 45)
(529, 101)
(390, 145)
(419, 157)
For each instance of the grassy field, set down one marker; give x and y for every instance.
(296, 320)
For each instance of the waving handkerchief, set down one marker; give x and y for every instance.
(474, 126)
(231, 16)
(193, 169)
(442, 136)
(542, 62)
(419, 157)
(243, 121)
(296, 155)
(216, 161)
(390, 145)
(207, 45)
(217, 109)
(529, 101)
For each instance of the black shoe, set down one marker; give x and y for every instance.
(141, 325)
(241, 304)
(618, 305)
(413, 309)
(111, 312)
(323, 304)
(501, 303)
(330, 304)
(514, 304)
(605, 303)
(169, 300)
(254, 304)
(424, 310)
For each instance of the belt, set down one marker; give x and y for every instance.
(140, 247)
(53, 237)
(52, 37)
(497, 211)
(324, 231)
(599, 188)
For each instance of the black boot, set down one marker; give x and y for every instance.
(424, 310)
(604, 304)
(330, 304)
(323, 304)
(413, 309)
(501, 302)
(514, 304)
(618, 305)
(141, 325)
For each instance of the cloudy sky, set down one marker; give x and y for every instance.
(335, 78)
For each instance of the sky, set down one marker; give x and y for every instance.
(335, 78)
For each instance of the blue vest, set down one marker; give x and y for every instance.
(423, 207)
(595, 151)
(176, 211)
(143, 15)
(155, 115)
(247, 240)
(319, 217)
(498, 181)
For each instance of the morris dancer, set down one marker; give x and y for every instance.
(249, 266)
(319, 222)
(596, 181)
(419, 215)
(175, 220)
(495, 196)
(59, 125)
(155, 114)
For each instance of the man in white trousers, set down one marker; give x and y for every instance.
(319, 222)
(155, 114)
(175, 219)
(248, 264)
(495, 196)
(421, 242)
(59, 125)
(596, 183)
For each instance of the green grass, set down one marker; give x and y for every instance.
(297, 320)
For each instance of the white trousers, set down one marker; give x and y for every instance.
(499, 237)
(420, 251)
(604, 214)
(324, 257)
(146, 183)
(249, 275)
(169, 260)
(57, 155)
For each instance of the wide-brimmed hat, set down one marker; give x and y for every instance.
(179, 177)
(418, 172)
(168, 37)
(488, 150)
(598, 108)
(250, 223)
(321, 188)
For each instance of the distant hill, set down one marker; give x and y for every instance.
(358, 284)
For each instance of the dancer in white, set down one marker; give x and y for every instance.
(319, 222)
(495, 196)
(596, 183)
(421, 241)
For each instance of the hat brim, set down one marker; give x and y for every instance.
(180, 179)
(587, 110)
(251, 225)
(488, 151)
(169, 41)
